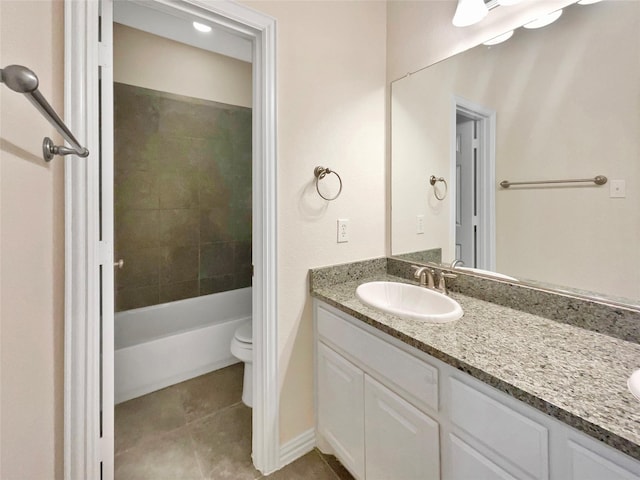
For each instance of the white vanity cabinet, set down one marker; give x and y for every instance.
(401, 442)
(389, 411)
(376, 434)
(340, 386)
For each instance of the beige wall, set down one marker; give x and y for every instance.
(152, 62)
(31, 250)
(331, 110)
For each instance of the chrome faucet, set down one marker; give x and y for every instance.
(442, 283)
(424, 275)
(456, 262)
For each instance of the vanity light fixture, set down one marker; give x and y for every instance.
(588, 2)
(499, 39)
(469, 12)
(506, 3)
(201, 27)
(544, 21)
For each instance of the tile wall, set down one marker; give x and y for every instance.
(182, 196)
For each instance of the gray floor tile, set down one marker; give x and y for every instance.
(223, 444)
(341, 472)
(145, 417)
(169, 456)
(209, 393)
(154, 440)
(309, 467)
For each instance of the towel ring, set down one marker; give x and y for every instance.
(432, 180)
(320, 173)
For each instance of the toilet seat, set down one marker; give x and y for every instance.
(242, 349)
(244, 333)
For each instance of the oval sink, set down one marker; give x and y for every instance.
(409, 301)
(634, 384)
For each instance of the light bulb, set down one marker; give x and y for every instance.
(469, 12)
(201, 27)
(544, 21)
(499, 39)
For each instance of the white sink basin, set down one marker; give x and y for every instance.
(634, 384)
(409, 301)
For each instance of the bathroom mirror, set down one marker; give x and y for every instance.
(556, 103)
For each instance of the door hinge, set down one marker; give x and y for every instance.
(105, 253)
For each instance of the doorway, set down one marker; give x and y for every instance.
(473, 167)
(89, 243)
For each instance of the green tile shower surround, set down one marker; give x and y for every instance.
(182, 196)
(568, 357)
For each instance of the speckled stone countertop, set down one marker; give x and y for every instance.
(576, 375)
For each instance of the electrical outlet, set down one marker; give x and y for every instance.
(617, 189)
(343, 230)
(420, 224)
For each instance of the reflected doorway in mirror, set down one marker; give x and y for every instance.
(473, 167)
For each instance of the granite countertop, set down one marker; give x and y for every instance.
(576, 375)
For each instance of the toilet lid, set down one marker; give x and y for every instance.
(244, 333)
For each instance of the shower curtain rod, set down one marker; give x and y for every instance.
(22, 80)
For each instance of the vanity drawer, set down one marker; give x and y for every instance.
(505, 433)
(414, 379)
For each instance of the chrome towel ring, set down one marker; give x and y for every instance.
(432, 180)
(320, 173)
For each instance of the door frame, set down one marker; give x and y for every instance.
(84, 444)
(486, 119)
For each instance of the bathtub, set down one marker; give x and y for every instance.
(165, 344)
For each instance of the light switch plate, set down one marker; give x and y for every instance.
(617, 189)
(343, 230)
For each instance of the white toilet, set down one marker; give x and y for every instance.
(242, 349)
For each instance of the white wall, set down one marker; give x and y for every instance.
(31, 250)
(331, 111)
(149, 61)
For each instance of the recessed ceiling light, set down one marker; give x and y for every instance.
(201, 27)
(499, 39)
(544, 21)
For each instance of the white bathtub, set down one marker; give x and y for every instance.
(165, 344)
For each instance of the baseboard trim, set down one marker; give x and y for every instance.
(297, 447)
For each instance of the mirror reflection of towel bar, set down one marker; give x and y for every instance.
(598, 180)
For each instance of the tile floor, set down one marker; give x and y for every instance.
(200, 429)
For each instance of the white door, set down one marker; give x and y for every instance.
(402, 443)
(105, 94)
(341, 408)
(466, 212)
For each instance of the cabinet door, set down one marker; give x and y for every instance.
(341, 408)
(586, 464)
(401, 441)
(467, 463)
